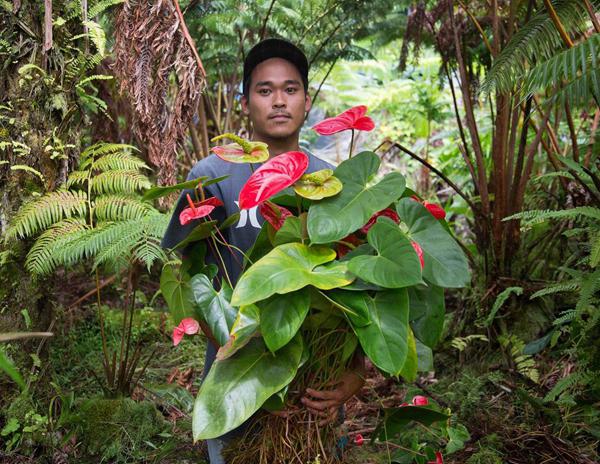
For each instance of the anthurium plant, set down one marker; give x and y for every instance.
(349, 256)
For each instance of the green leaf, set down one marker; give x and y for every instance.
(200, 232)
(396, 419)
(11, 370)
(427, 309)
(214, 307)
(291, 231)
(385, 340)
(458, 435)
(396, 263)
(244, 327)
(286, 268)
(176, 290)
(362, 195)
(445, 262)
(318, 185)
(235, 388)
(409, 370)
(354, 304)
(281, 317)
(424, 357)
(161, 191)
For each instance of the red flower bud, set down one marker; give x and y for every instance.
(420, 401)
(435, 209)
(358, 439)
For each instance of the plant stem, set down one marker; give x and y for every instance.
(351, 144)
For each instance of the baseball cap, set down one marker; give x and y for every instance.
(275, 48)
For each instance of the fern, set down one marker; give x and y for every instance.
(500, 300)
(98, 150)
(78, 179)
(560, 287)
(461, 343)
(119, 181)
(565, 384)
(524, 363)
(119, 208)
(565, 317)
(538, 216)
(47, 210)
(120, 160)
(101, 7)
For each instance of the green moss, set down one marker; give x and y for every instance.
(117, 429)
(485, 456)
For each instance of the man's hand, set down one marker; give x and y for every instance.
(326, 403)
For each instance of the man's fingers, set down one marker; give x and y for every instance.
(321, 394)
(319, 405)
(330, 417)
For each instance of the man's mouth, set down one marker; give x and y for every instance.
(280, 116)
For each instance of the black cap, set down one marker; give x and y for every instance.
(275, 48)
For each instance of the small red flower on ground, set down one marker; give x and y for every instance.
(187, 326)
(358, 439)
(435, 209)
(199, 209)
(274, 214)
(420, 401)
(419, 252)
(272, 177)
(438, 459)
(354, 118)
(388, 212)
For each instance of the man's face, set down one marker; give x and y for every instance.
(277, 102)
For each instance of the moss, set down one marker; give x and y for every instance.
(485, 456)
(117, 429)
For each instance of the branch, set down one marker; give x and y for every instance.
(188, 38)
(263, 29)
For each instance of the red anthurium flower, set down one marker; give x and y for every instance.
(438, 459)
(272, 177)
(343, 249)
(274, 214)
(435, 209)
(420, 401)
(388, 212)
(358, 439)
(354, 118)
(199, 209)
(187, 326)
(419, 252)
(242, 151)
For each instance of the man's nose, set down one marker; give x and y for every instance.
(279, 100)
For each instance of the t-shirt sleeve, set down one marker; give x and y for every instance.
(175, 232)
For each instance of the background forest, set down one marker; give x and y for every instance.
(490, 108)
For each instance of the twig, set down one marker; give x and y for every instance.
(263, 29)
(188, 38)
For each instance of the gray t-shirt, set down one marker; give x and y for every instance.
(242, 234)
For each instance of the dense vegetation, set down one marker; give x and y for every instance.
(489, 108)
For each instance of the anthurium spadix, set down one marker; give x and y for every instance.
(318, 185)
(241, 151)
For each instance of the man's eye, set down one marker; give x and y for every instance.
(264, 91)
(291, 90)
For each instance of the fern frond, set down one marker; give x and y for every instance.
(119, 181)
(77, 179)
(47, 210)
(538, 216)
(566, 316)
(101, 7)
(148, 252)
(560, 287)
(89, 155)
(119, 160)
(589, 286)
(536, 41)
(500, 300)
(119, 208)
(595, 251)
(46, 253)
(565, 384)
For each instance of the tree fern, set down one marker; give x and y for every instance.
(536, 41)
(538, 216)
(119, 208)
(99, 150)
(119, 181)
(47, 210)
(121, 160)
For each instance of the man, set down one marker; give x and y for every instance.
(276, 100)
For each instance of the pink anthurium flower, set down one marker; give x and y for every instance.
(272, 177)
(187, 326)
(354, 118)
(242, 151)
(388, 212)
(438, 459)
(420, 400)
(199, 209)
(274, 214)
(419, 252)
(435, 209)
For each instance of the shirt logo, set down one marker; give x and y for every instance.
(244, 214)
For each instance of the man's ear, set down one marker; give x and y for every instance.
(244, 102)
(307, 102)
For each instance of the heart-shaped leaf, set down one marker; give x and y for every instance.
(410, 368)
(275, 175)
(396, 419)
(427, 309)
(354, 304)
(177, 292)
(281, 317)
(244, 327)
(214, 307)
(445, 262)
(362, 196)
(318, 185)
(385, 339)
(396, 263)
(289, 267)
(235, 388)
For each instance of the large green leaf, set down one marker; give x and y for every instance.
(235, 388)
(177, 292)
(200, 232)
(161, 191)
(291, 231)
(396, 263)
(289, 267)
(410, 368)
(395, 420)
(385, 339)
(445, 262)
(281, 317)
(10, 370)
(244, 327)
(354, 304)
(424, 357)
(214, 307)
(362, 195)
(427, 309)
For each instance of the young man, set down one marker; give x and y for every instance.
(276, 100)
